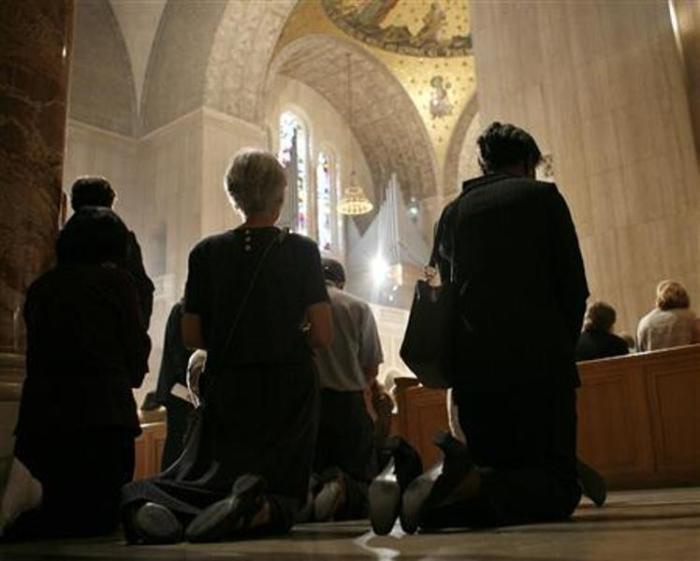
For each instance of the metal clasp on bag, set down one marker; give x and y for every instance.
(432, 276)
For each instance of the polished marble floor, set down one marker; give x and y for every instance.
(659, 525)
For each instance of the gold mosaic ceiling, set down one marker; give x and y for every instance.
(425, 44)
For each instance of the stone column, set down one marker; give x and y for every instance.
(35, 44)
(601, 86)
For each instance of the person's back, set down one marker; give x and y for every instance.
(596, 339)
(87, 348)
(354, 344)
(514, 266)
(83, 353)
(96, 191)
(663, 329)
(593, 345)
(671, 323)
(345, 459)
(509, 245)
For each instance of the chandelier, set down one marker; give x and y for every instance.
(353, 200)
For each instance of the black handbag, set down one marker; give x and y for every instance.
(428, 344)
(427, 347)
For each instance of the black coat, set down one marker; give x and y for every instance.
(512, 248)
(600, 344)
(87, 348)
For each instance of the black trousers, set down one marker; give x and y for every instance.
(524, 443)
(346, 442)
(178, 413)
(82, 474)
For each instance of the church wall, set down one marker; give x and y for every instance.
(601, 87)
(223, 137)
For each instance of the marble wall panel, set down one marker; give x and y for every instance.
(617, 121)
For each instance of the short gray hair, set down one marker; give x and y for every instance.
(255, 181)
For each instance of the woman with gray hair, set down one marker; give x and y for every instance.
(256, 301)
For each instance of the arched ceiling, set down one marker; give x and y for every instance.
(102, 89)
(385, 120)
(241, 53)
(213, 53)
(462, 144)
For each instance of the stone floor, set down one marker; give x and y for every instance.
(660, 525)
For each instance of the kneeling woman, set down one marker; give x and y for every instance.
(87, 348)
(256, 301)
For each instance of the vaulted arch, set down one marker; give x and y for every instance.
(385, 120)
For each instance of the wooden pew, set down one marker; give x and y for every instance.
(638, 418)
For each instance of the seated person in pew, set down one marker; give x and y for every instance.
(345, 455)
(671, 323)
(596, 339)
(509, 243)
(87, 348)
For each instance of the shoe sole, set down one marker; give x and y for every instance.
(326, 503)
(412, 503)
(220, 519)
(155, 524)
(384, 503)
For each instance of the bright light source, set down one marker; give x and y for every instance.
(380, 268)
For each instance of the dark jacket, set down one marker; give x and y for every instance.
(513, 250)
(173, 365)
(87, 348)
(599, 344)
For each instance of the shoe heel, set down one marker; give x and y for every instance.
(384, 504)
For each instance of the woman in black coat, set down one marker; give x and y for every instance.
(87, 348)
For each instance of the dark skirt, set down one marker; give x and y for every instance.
(261, 420)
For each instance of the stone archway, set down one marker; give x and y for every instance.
(385, 120)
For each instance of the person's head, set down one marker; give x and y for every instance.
(333, 272)
(599, 317)
(670, 295)
(505, 148)
(92, 236)
(255, 182)
(91, 191)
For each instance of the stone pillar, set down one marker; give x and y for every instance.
(601, 86)
(35, 44)
(685, 18)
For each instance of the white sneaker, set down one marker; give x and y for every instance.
(22, 493)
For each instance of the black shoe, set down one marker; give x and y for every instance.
(152, 523)
(592, 483)
(230, 516)
(386, 489)
(414, 498)
(434, 486)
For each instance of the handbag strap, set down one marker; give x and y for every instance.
(278, 239)
(440, 228)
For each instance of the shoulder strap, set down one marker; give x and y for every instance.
(236, 320)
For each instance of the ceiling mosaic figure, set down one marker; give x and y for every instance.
(428, 29)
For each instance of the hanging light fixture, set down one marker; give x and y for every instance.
(353, 200)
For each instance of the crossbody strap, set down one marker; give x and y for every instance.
(278, 239)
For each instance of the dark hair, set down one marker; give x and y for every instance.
(599, 317)
(92, 236)
(91, 191)
(503, 145)
(333, 271)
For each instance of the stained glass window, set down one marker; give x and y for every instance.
(324, 202)
(293, 155)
